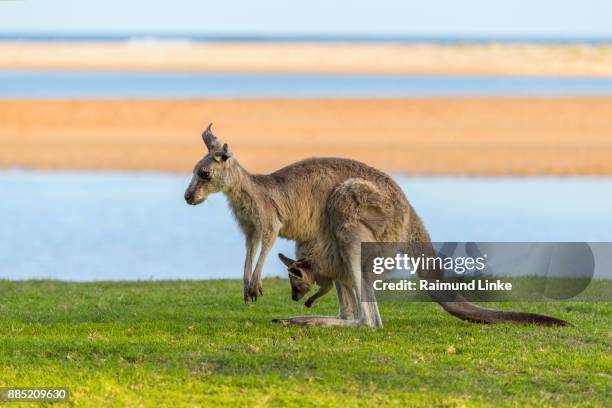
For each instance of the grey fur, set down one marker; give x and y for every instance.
(302, 275)
(328, 206)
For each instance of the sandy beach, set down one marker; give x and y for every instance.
(496, 136)
(468, 59)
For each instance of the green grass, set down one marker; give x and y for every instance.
(196, 343)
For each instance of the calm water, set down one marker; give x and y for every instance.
(279, 38)
(210, 85)
(102, 226)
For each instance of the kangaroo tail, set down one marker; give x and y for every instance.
(468, 311)
(464, 310)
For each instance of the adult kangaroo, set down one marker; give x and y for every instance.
(328, 206)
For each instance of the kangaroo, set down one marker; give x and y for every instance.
(328, 206)
(302, 276)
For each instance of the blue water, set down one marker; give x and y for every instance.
(67, 85)
(276, 38)
(113, 226)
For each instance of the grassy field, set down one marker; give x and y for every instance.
(193, 343)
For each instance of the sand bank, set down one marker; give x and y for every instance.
(477, 59)
(424, 136)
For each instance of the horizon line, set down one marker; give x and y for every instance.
(297, 37)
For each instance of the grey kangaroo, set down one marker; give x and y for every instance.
(301, 277)
(328, 206)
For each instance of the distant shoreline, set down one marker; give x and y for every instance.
(443, 136)
(150, 54)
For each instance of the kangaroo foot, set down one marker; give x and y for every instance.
(319, 321)
(252, 290)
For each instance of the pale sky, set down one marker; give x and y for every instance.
(535, 18)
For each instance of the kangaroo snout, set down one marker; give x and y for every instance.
(189, 197)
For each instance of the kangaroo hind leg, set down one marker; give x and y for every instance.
(319, 321)
(349, 247)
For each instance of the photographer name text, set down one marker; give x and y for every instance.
(425, 285)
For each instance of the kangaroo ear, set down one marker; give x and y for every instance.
(287, 261)
(303, 263)
(296, 272)
(210, 140)
(223, 155)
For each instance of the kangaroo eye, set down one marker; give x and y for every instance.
(204, 174)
